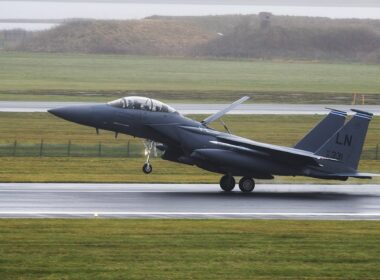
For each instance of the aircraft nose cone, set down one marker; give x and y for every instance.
(79, 114)
(68, 113)
(59, 112)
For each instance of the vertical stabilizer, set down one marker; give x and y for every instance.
(347, 143)
(322, 131)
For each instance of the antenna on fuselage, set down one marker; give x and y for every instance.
(225, 126)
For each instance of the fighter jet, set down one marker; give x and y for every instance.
(329, 151)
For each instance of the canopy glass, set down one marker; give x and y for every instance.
(142, 103)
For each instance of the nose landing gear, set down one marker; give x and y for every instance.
(149, 146)
(147, 168)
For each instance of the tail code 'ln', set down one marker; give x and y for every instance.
(347, 143)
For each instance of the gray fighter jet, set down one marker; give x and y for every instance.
(329, 151)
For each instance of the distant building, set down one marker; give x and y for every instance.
(265, 19)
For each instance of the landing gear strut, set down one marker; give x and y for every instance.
(246, 184)
(149, 146)
(227, 183)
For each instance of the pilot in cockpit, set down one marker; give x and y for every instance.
(142, 103)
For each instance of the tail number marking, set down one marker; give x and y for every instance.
(335, 155)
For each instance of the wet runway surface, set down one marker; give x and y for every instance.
(278, 109)
(343, 202)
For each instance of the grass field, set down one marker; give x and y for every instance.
(31, 127)
(276, 129)
(27, 76)
(128, 170)
(188, 249)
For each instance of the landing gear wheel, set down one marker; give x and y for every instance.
(149, 146)
(246, 184)
(227, 183)
(147, 168)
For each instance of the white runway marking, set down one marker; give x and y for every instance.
(190, 213)
(193, 215)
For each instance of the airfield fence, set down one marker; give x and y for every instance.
(131, 148)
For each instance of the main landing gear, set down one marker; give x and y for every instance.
(246, 184)
(227, 183)
(149, 146)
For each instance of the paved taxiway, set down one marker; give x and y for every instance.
(189, 201)
(260, 109)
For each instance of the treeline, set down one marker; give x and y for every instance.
(335, 42)
(262, 36)
(139, 37)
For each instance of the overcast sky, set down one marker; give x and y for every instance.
(355, 3)
(44, 14)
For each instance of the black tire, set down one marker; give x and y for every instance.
(246, 184)
(147, 168)
(227, 183)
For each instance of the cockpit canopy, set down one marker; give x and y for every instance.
(142, 103)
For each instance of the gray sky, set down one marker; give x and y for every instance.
(43, 14)
(320, 3)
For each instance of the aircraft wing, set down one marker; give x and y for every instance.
(283, 154)
(222, 112)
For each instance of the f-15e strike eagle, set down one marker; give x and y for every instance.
(331, 150)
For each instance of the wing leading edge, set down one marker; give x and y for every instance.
(357, 175)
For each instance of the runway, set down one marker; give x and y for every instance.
(322, 202)
(258, 109)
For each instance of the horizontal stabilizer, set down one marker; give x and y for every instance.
(357, 175)
(278, 153)
(222, 112)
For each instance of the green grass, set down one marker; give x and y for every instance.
(31, 127)
(128, 170)
(188, 249)
(276, 129)
(94, 77)
(114, 170)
